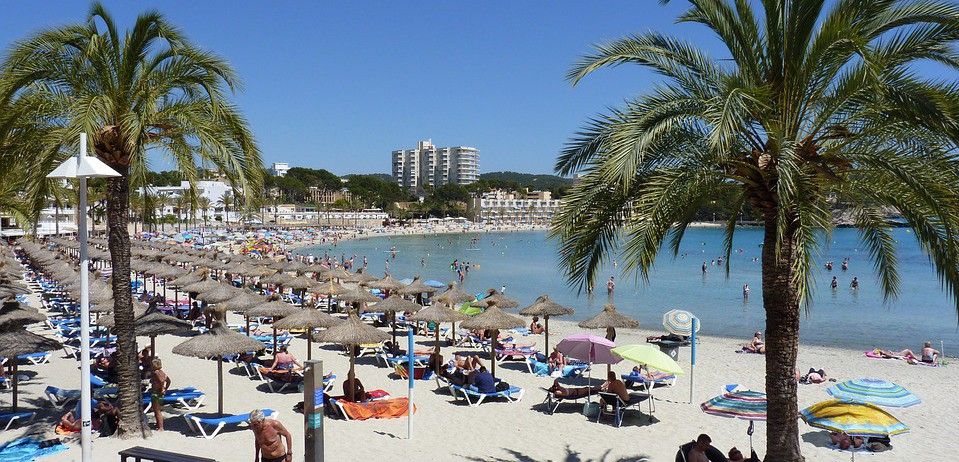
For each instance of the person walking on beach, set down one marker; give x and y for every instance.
(159, 384)
(266, 439)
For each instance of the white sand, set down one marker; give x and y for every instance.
(448, 430)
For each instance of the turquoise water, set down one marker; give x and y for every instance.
(527, 263)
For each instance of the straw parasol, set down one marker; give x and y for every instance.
(387, 284)
(494, 319)
(493, 297)
(609, 319)
(302, 283)
(454, 295)
(309, 319)
(218, 294)
(331, 289)
(14, 341)
(217, 342)
(156, 323)
(352, 332)
(438, 313)
(16, 314)
(392, 305)
(273, 308)
(338, 273)
(417, 288)
(277, 279)
(363, 278)
(546, 307)
(358, 296)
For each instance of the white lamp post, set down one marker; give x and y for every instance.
(83, 167)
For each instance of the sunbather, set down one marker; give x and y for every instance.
(671, 337)
(813, 376)
(756, 345)
(930, 355)
(562, 392)
(467, 363)
(614, 385)
(285, 362)
(159, 384)
(483, 381)
(535, 327)
(359, 391)
(844, 441)
(556, 360)
(69, 423)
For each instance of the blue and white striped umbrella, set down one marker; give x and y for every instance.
(873, 391)
(679, 322)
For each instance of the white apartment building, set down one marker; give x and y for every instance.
(279, 168)
(428, 165)
(214, 191)
(501, 207)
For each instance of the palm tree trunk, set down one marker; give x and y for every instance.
(118, 204)
(781, 301)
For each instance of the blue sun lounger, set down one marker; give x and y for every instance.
(11, 417)
(475, 398)
(188, 397)
(196, 423)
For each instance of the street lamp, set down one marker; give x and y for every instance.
(81, 168)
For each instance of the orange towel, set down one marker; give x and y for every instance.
(380, 409)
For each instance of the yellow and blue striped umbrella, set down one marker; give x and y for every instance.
(679, 322)
(860, 419)
(873, 391)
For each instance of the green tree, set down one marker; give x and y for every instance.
(148, 88)
(807, 101)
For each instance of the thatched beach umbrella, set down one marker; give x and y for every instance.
(358, 297)
(546, 307)
(156, 323)
(338, 273)
(309, 319)
(439, 314)
(217, 342)
(352, 332)
(609, 319)
(493, 297)
(273, 308)
(363, 278)
(387, 284)
(243, 302)
(454, 296)
(301, 283)
(392, 305)
(14, 341)
(493, 319)
(331, 289)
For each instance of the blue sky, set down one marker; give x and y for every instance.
(340, 85)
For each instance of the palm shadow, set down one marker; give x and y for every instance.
(570, 456)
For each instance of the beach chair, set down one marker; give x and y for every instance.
(196, 424)
(275, 383)
(419, 372)
(35, 358)
(474, 398)
(616, 407)
(647, 383)
(369, 349)
(60, 397)
(11, 417)
(189, 397)
(552, 401)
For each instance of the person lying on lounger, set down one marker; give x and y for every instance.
(562, 392)
(929, 354)
(556, 360)
(844, 441)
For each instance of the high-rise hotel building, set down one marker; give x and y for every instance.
(413, 169)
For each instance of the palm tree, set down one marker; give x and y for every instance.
(226, 200)
(148, 88)
(204, 204)
(809, 102)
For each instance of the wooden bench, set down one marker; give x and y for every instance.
(140, 453)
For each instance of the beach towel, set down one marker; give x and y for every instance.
(379, 409)
(27, 449)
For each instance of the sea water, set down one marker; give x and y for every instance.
(527, 263)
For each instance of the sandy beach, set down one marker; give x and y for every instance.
(446, 429)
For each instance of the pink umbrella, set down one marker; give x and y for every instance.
(589, 348)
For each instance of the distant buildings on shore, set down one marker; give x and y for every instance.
(279, 169)
(428, 165)
(503, 207)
